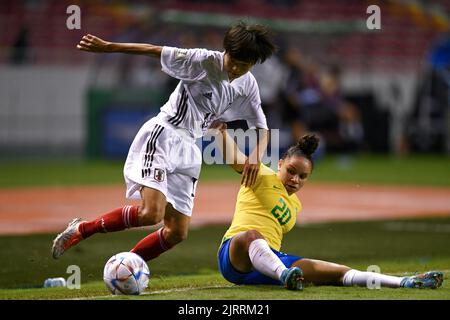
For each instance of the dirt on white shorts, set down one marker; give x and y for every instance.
(165, 158)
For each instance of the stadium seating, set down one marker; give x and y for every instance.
(402, 44)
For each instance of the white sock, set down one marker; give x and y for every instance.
(367, 279)
(264, 260)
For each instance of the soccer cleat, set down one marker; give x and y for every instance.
(292, 278)
(67, 239)
(430, 279)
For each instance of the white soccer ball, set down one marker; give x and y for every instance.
(126, 273)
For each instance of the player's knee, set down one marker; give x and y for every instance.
(175, 236)
(252, 235)
(248, 237)
(151, 215)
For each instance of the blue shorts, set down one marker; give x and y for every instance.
(254, 277)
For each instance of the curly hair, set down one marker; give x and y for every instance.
(304, 147)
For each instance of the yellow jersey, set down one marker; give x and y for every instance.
(266, 207)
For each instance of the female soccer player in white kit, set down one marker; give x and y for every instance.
(163, 163)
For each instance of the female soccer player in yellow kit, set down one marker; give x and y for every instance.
(249, 252)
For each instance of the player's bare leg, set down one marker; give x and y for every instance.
(174, 231)
(250, 250)
(176, 226)
(153, 207)
(321, 272)
(238, 252)
(150, 212)
(327, 273)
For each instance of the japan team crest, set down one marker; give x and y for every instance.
(159, 175)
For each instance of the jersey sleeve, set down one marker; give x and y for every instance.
(248, 108)
(184, 64)
(257, 119)
(255, 116)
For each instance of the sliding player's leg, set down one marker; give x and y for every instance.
(321, 272)
(249, 251)
(327, 273)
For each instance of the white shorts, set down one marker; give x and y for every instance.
(165, 158)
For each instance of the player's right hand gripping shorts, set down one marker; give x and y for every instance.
(164, 158)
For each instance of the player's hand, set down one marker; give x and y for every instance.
(249, 173)
(218, 125)
(92, 43)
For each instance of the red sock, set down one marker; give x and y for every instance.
(116, 220)
(152, 245)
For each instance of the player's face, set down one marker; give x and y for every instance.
(235, 68)
(294, 172)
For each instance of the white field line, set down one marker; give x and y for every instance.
(410, 273)
(158, 292)
(416, 227)
(209, 287)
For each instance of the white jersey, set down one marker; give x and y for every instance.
(205, 94)
(163, 159)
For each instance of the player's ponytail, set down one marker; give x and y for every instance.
(305, 147)
(308, 144)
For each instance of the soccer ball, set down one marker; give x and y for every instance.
(126, 273)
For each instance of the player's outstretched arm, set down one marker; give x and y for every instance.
(251, 167)
(228, 147)
(92, 43)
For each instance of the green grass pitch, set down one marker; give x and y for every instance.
(421, 170)
(190, 271)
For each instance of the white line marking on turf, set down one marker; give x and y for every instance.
(416, 227)
(158, 292)
(400, 274)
